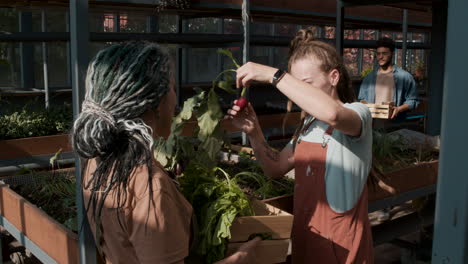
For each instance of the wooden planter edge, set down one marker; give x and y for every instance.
(53, 238)
(34, 146)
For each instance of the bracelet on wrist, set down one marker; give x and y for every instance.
(279, 74)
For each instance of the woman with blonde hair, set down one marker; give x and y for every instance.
(331, 152)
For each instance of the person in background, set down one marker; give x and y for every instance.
(389, 83)
(331, 152)
(134, 208)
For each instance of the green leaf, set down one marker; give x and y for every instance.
(229, 54)
(226, 86)
(209, 116)
(55, 157)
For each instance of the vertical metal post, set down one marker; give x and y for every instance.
(45, 56)
(152, 25)
(451, 216)
(181, 63)
(117, 22)
(79, 42)
(67, 23)
(436, 67)
(360, 52)
(26, 52)
(405, 39)
(246, 47)
(339, 28)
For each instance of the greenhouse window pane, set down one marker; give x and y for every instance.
(233, 26)
(350, 60)
(56, 21)
(287, 30)
(9, 65)
(133, 22)
(418, 37)
(260, 54)
(329, 32)
(370, 34)
(202, 25)
(368, 56)
(58, 64)
(167, 23)
(261, 29)
(387, 34)
(202, 64)
(38, 66)
(99, 22)
(280, 57)
(9, 20)
(352, 34)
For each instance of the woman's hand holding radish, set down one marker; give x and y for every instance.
(243, 118)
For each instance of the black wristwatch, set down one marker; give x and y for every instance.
(279, 74)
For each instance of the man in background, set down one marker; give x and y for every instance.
(389, 83)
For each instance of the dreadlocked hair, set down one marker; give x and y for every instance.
(123, 82)
(304, 45)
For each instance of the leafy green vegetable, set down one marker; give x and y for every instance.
(214, 194)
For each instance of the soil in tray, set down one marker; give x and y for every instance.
(53, 191)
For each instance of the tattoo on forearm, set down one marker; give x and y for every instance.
(271, 153)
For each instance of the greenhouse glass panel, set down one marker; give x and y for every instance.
(280, 57)
(418, 37)
(36, 20)
(287, 30)
(9, 65)
(370, 34)
(9, 20)
(260, 54)
(38, 66)
(167, 23)
(58, 64)
(202, 64)
(329, 32)
(352, 34)
(56, 21)
(101, 22)
(233, 26)
(261, 29)
(133, 22)
(202, 25)
(350, 59)
(368, 61)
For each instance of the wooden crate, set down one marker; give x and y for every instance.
(267, 219)
(381, 111)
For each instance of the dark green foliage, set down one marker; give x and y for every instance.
(35, 123)
(216, 200)
(55, 193)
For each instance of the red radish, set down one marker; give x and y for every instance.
(242, 101)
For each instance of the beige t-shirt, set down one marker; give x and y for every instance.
(384, 87)
(159, 233)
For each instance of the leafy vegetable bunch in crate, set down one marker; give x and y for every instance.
(214, 194)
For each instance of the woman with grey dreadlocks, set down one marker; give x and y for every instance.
(134, 208)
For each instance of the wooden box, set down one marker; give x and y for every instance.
(268, 219)
(382, 111)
